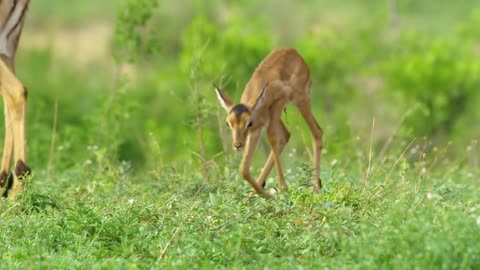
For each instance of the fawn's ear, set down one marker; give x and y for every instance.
(224, 100)
(260, 100)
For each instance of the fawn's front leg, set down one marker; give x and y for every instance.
(252, 142)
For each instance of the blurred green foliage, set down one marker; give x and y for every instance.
(441, 76)
(133, 36)
(361, 69)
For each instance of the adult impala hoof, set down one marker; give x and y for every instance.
(21, 169)
(3, 179)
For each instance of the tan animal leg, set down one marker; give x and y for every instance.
(270, 161)
(7, 148)
(252, 142)
(278, 137)
(317, 136)
(21, 169)
(15, 96)
(262, 178)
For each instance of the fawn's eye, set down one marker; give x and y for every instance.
(249, 124)
(228, 125)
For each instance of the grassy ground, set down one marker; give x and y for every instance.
(397, 218)
(119, 180)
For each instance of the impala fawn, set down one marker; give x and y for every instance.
(281, 77)
(12, 15)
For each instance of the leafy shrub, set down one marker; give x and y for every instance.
(231, 51)
(438, 76)
(133, 36)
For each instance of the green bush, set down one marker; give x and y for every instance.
(228, 52)
(437, 78)
(133, 35)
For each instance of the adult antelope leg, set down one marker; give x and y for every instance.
(7, 149)
(15, 96)
(317, 136)
(12, 16)
(19, 140)
(252, 142)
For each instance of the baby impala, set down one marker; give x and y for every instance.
(281, 77)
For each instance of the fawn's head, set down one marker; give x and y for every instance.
(240, 117)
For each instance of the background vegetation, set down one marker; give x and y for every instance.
(131, 156)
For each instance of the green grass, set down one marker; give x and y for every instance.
(177, 220)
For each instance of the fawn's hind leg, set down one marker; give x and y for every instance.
(317, 136)
(283, 136)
